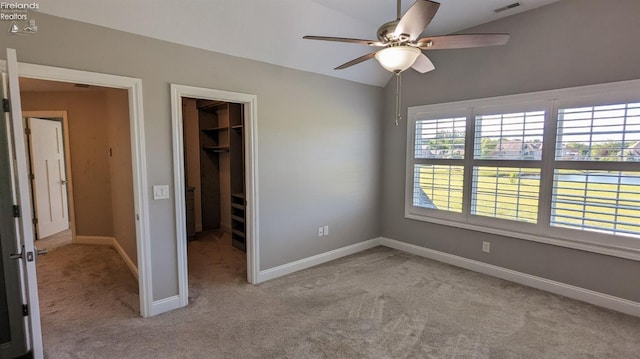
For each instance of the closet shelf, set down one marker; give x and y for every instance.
(238, 218)
(215, 129)
(216, 149)
(237, 206)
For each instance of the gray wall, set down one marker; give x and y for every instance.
(569, 43)
(319, 141)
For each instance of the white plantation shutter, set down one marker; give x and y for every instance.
(561, 167)
(438, 187)
(506, 193)
(601, 201)
(587, 194)
(599, 133)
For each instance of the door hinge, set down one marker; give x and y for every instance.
(27, 131)
(16, 211)
(25, 310)
(32, 176)
(35, 220)
(5, 105)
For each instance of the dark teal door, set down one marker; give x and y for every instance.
(12, 328)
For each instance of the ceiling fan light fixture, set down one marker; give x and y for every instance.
(397, 58)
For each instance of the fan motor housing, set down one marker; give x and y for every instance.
(386, 32)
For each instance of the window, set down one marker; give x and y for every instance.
(558, 166)
(515, 136)
(440, 138)
(592, 200)
(509, 191)
(438, 173)
(438, 187)
(587, 194)
(599, 133)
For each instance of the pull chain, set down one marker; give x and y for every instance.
(398, 97)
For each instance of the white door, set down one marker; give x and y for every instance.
(26, 253)
(49, 180)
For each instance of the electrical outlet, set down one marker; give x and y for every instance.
(326, 230)
(486, 247)
(320, 231)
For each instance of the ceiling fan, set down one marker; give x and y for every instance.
(401, 47)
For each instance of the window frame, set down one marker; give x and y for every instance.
(542, 231)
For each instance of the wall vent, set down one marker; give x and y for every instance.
(508, 7)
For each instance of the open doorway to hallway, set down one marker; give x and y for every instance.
(98, 251)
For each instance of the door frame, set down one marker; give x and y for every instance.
(138, 154)
(54, 116)
(250, 104)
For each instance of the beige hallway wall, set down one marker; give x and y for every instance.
(88, 120)
(121, 171)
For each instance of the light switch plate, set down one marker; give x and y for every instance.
(161, 192)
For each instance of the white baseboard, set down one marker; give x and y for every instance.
(109, 241)
(95, 240)
(570, 291)
(279, 271)
(165, 305)
(127, 260)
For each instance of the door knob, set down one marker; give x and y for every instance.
(17, 255)
(29, 255)
(41, 252)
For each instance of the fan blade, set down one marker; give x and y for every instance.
(462, 41)
(423, 64)
(344, 39)
(356, 61)
(416, 19)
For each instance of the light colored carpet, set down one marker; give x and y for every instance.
(380, 303)
(55, 241)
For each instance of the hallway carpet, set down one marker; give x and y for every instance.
(380, 303)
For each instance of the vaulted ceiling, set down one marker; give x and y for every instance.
(271, 30)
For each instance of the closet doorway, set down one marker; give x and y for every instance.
(214, 169)
(214, 193)
(214, 175)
